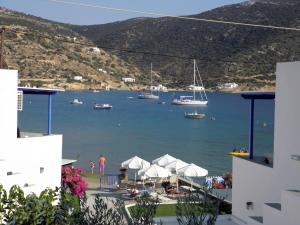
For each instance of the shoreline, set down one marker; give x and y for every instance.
(177, 90)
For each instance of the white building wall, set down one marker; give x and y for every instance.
(8, 110)
(287, 126)
(24, 157)
(40, 152)
(290, 208)
(272, 216)
(260, 184)
(251, 183)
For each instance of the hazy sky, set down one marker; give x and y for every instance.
(84, 15)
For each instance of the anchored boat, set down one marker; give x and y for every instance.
(194, 115)
(76, 101)
(239, 152)
(192, 100)
(148, 95)
(103, 106)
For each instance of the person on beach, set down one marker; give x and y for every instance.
(101, 164)
(92, 166)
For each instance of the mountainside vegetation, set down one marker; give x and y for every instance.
(224, 53)
(51, 54)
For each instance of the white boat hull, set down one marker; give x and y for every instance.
(189, 102)
(148, 96)
(194, 115)
(103, 106)
(76, 102)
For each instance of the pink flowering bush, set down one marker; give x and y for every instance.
(72, 180)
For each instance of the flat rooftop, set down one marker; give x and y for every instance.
(40, 91)
(258, 95)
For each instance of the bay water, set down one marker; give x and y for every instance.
(150, 130)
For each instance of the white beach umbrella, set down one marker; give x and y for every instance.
(176, 165)
(135, 163)
(192, 170)
(155, 171)
(164, 160)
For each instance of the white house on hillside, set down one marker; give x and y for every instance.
(159, 87)
(227, 86)
(95, 49)
(128, 79)
(32, 161)
(266, 190)
(77, 78)
(195, 88)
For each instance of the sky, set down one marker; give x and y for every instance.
(85, 15)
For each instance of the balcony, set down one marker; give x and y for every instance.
(42, 91)
(30, 135)
(261, 160)
(254, 96)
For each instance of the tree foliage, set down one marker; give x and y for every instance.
(144, 211)
(18, 209)
(102, 214)
(197, 208)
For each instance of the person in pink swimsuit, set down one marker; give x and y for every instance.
(101, 164)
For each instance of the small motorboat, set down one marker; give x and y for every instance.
(194, 115)
(161, 103)
(147, 95)
(76, 101)
(102, 106)
(239, 152)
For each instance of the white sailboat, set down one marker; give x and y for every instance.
(148, 95)
(192, 100)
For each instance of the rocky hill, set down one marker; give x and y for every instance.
(51, 54)
(225, 53)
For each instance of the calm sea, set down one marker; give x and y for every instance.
(149, 130)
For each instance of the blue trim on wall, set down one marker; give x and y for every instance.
(49, 113)
(251, 126)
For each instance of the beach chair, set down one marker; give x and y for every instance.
(171, 190)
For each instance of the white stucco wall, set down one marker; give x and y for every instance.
(24, 157)
(287, 125)
(290, 208)
(272, 216)
(37, 152)
(251, 183)
(8, 108)
(260, 184)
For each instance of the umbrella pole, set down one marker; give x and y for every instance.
(143, 184)
(135, 179)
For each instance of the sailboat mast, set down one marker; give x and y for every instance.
(151, 78)
(201, 83)
(194, 80)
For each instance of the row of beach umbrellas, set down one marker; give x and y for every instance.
(163, 167)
